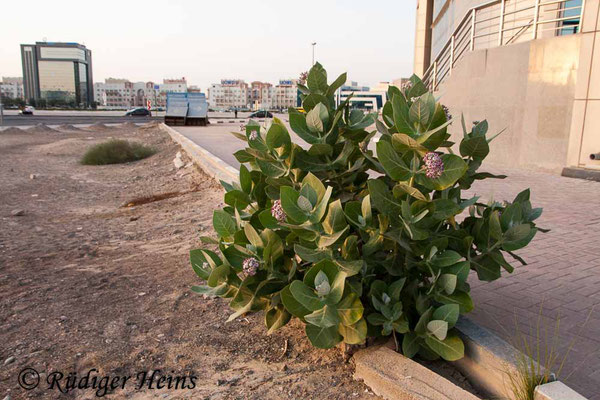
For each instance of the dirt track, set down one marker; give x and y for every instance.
(87, 284)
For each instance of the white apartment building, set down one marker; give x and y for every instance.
(121, 93)
(12, 88)
(261, 95)
(230, 93)
(286, 94)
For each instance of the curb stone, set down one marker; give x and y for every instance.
(395, 377)
(208, 162)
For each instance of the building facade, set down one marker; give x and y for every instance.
(363, 97)
(286, 94)
(527, 67)
(122, 93)
(56, 73)
(261, 95)
(229, 94)
(12, 88)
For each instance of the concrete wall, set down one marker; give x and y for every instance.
(526, 88)
(585, 126)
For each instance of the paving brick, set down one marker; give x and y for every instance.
(562, 278)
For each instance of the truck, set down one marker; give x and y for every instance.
(186, 109)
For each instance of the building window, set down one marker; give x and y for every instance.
(571, 8)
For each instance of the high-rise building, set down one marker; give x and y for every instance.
(56, 73)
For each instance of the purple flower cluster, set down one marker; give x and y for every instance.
(407, 86)
(447, 112)
(253, 135)
(433, 165)
(250, 266)
(277, 211)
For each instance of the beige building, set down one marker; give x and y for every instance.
(527, 66)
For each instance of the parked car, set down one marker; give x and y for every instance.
(138, 112)
(261, 114)
(28, 110)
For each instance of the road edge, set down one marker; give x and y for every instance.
(208, 162)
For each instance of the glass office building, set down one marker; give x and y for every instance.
(57, 74)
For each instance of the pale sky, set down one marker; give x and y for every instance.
(206, 41)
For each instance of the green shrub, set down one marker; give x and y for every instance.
(359, 244)
(116, 151)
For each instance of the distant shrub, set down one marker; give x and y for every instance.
(116, 152)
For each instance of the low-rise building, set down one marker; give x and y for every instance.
(122, 93)
(261, 95)
(363, 97)
(12, 88)
(229, 94)
(286, 94)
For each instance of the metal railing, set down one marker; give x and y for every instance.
(502, 22)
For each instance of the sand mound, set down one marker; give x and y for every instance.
(68, 127)
(150, 125)
(41, 128)
(11, 131)
(128, 124)
(99, 126)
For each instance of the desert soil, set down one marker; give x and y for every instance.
(86, 283)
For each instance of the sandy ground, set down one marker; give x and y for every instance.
(86, 284)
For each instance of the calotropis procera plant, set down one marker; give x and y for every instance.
(359, 243)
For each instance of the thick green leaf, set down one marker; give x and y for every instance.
(305, 296)
(277, 136)
(298, 125)
(448, 313)
(438, 328)
(275, 318)
(253, 236)
(392, 162)
(410, 345)
(403, 143)
(450, 349)
(324, 317)
(350, 309)
(289, 203)
(272, 169)
(476, 147)
(354, 334)
(454, 168)
(518, 237)
(245, 179)
(323, 338)
(293, 305)
(224, 224)
(448, 283)
(446, 258)
(313, 120)
(459, 297)
(312, 255)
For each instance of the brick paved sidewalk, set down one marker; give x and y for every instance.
(562, 280)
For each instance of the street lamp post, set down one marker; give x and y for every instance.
(313, 52)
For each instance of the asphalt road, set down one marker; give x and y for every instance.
(59, 117)
(27, 120)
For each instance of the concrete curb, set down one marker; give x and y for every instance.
(208, 162)
(395, 377)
